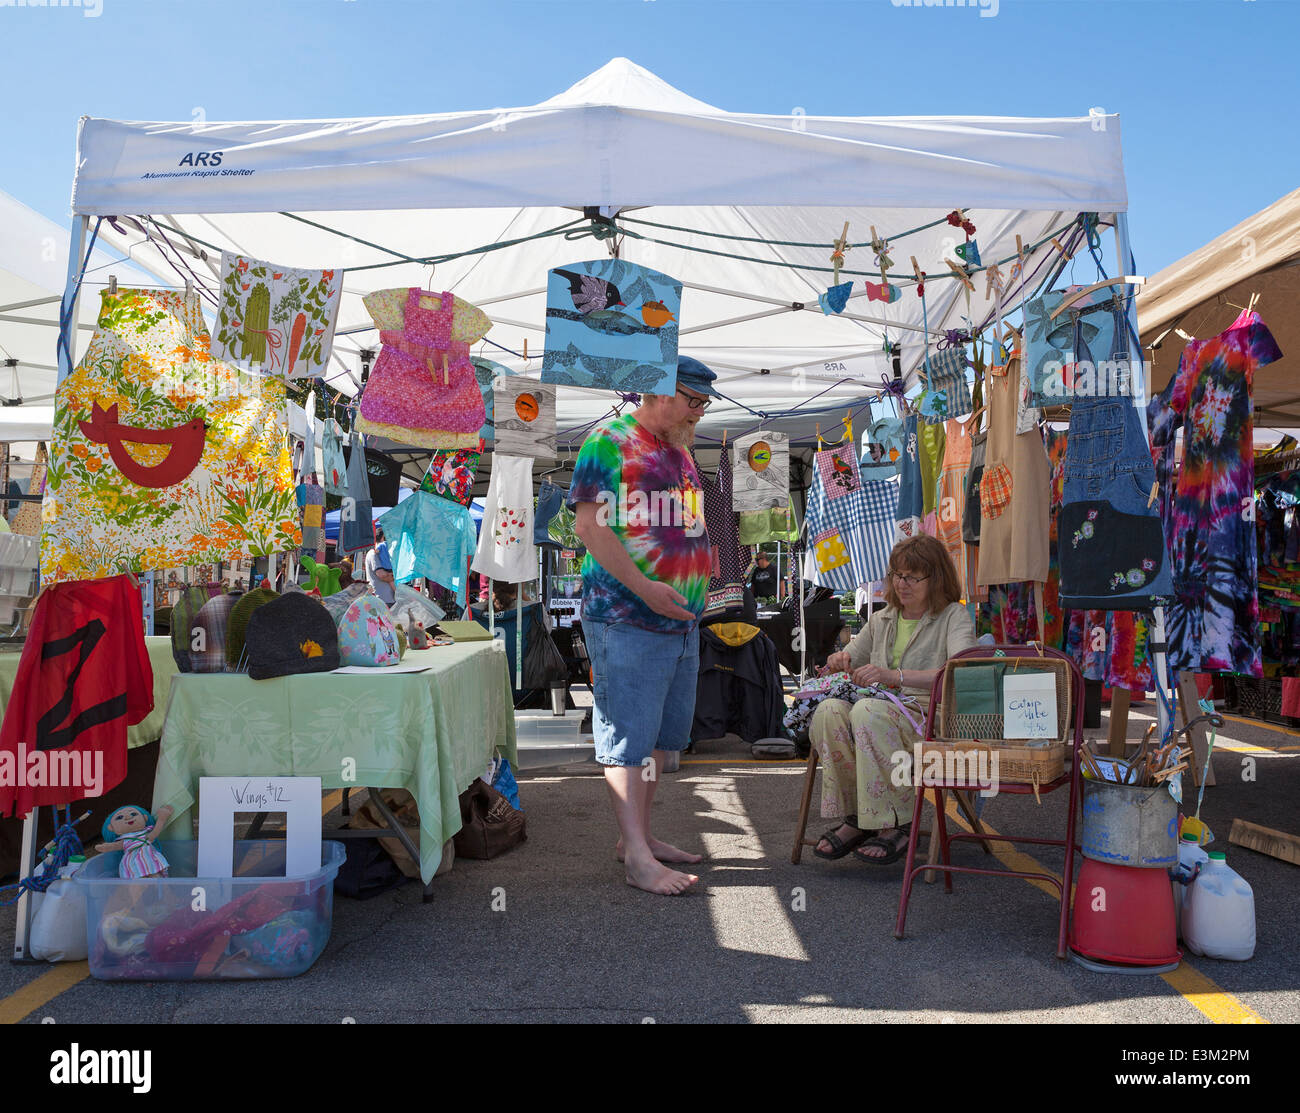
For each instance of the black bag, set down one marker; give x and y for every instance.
(970, 521)
(489, 824)
(543, 663)
(367, 871)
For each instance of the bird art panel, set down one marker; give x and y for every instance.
(523, 417)
(613, 325)
(162, 456)
(280, 319)
(760, 471)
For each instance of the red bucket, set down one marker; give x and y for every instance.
(1124, 915)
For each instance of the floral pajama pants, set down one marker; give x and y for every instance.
(855, 744)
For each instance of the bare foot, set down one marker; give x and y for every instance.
(665, 852)
(655, 878)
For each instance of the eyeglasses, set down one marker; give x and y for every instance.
(911, 581)
(696, 403)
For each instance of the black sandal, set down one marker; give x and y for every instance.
(895, 847)
(840, 847)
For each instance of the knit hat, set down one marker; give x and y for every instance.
(291, 634)
(367, 636)
(212, 622)
(237, 625)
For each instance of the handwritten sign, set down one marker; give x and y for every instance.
(1029, 705)
(221, 797)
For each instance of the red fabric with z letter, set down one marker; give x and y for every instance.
(83, 678)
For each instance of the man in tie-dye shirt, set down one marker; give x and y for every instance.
(640, 513)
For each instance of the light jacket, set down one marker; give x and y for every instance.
(936, 638)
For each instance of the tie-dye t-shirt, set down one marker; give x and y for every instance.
(653, 502)
(1213, 623)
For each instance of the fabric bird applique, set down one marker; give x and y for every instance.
(590, 293)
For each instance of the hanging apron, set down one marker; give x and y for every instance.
(506, 550)
(356, 531)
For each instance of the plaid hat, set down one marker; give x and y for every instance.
(291, 634)
(184, 611)
(237, 624)
(212, 622)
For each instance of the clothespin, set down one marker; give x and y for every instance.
(992, 280)
(1250, 305)
(525, 350)
(848, 425)
(837, 255)
(1057, 244)
(959, 272)
(112, 284)
(819, 436)
(189, 289)
(445, 378)
(881, 248)
(1155, 493)
(920, 278)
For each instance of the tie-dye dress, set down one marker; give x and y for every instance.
(1213, 623)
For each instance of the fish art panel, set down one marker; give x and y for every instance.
(613, 325)
(760, 471)
(523, 417)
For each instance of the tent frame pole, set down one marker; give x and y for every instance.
(1138, 384)
(71, 301)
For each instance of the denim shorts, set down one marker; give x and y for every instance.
(1112, 545)
(645, 684)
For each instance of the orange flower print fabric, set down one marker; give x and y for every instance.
(162, 456)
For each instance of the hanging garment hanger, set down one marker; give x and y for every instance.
(1070, 299)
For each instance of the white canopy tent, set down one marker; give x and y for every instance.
(385, 194)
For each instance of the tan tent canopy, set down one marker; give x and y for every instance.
(1203, 293)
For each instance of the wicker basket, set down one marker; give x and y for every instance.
(1018, 761)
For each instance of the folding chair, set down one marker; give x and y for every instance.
(1070, 729)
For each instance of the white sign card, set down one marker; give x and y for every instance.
(221, 797)
(1029, 705)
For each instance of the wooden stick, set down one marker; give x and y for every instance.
(1266, 840)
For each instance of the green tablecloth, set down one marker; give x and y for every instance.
(430, 733)
(150, 728)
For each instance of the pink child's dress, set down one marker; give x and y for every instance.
(140, 858)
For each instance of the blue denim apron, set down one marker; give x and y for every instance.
(1112, 545)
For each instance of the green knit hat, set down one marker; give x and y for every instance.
(237, 626)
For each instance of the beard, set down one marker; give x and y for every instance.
(681, 435)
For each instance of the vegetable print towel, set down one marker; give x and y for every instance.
(162, 456)
(612, 324)
(505, 545)
(279, 317)
(760, 465)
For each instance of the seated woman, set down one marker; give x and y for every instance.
(902, 647)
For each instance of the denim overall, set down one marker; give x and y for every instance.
(1112, 545)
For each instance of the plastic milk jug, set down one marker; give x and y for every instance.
(1190, 856)
(59, 926)
(1219, 912)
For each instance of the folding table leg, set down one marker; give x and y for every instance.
(377, 798)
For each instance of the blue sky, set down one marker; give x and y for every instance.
(1206, 89)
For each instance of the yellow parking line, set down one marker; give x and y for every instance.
(42, 990)
(65, 975)
(1217, 1004)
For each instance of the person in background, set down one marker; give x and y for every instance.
(763, 581)
(902, 647)
(345, 572)
(379, 570)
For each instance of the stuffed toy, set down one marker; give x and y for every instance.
(324, 579)
(134, 829)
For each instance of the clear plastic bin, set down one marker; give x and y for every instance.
(183, 928)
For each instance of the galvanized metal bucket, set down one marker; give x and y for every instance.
(1130, 826)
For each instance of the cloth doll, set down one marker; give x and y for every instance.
(135, 829)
